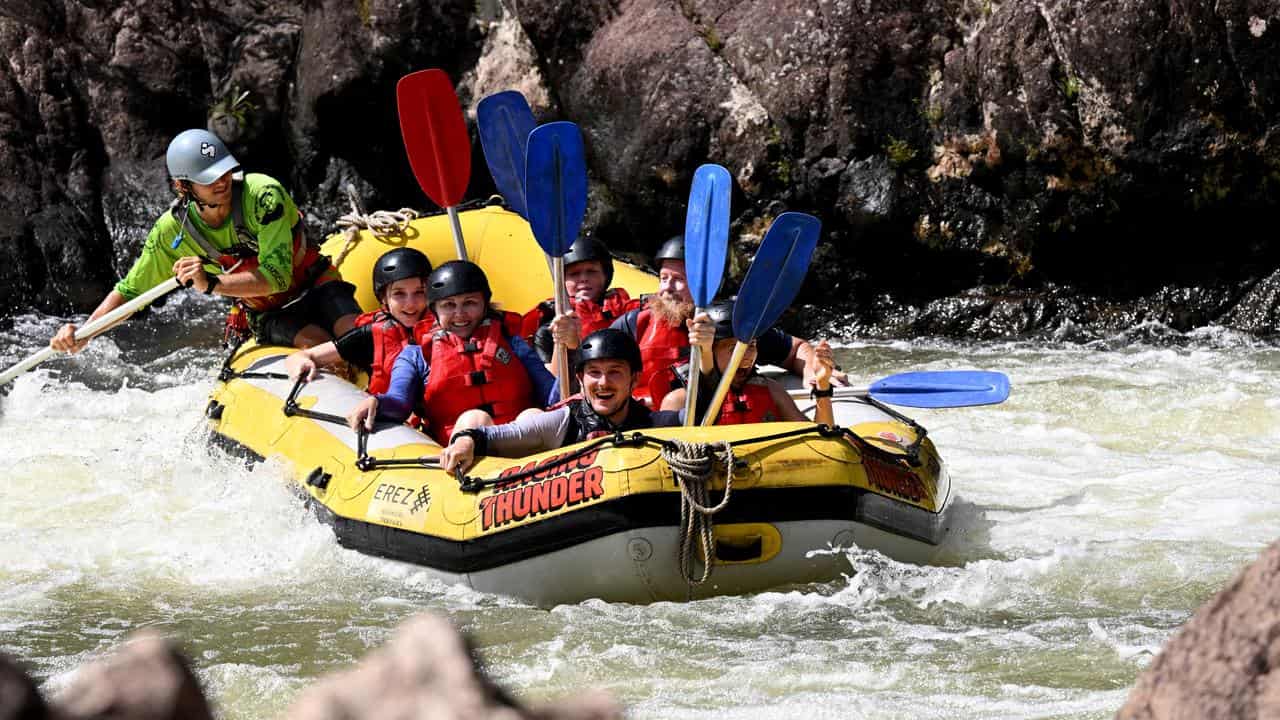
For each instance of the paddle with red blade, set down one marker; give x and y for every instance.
(436, 141)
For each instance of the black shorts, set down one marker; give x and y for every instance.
(322, 305)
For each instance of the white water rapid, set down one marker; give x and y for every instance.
(1122, 484)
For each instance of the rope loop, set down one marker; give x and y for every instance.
(694, 464)
(383, 223)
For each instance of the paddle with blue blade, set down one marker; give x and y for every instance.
(933, 389)
(942, 389)
(436, 141)
(706, 243)
(556, 193)
(771, 284)
(505, 121)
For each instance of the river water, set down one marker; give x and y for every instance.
(1123, 484)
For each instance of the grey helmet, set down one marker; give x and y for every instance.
(199, 156)
(672, 249)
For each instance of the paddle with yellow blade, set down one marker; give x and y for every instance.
(436, 141)
(556, 195)
(771, 284)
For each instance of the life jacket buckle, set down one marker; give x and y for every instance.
(470, 346)
(476, 377)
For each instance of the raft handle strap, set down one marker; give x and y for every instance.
(912, 450)
(291, 408)
(226, 373)
(366, 462)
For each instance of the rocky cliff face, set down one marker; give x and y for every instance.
(981, 168)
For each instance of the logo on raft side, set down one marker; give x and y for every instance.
(558, 484)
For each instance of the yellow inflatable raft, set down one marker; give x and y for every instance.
(608, 518)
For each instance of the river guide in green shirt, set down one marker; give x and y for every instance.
(241, 237)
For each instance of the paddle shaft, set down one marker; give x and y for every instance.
(456, 225)
(695, 380)
(713, 410)
(560, 356)
(841, 391)
(96, 326)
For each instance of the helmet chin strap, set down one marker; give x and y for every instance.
(191, 195)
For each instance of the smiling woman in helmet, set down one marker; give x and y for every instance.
(239, 236)
(400, 284)
(468, 368)
(664, 326)
(607, 367)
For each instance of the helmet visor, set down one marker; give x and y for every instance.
(210, 175)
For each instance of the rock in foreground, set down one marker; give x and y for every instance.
(426, 670)
(1219, 664)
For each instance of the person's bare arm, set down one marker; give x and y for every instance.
(240, 284)
(787, 407)
(305, 362)
(674, 400)
(803, 361)
(64, 340)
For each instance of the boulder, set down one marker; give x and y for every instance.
(426, 670)
(1219, 664)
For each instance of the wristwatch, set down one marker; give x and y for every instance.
(213, 283)
(816, 393)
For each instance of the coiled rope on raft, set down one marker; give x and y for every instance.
(383, 223)
(694, 464)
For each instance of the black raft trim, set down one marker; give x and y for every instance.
(766, 505)
(584, 524)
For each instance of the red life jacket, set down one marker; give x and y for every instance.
(593, 316)
(661, 346)
(753, 404)
(663, 382)
(480, 372)
(310, 268)
(389, 338)
(597, 316)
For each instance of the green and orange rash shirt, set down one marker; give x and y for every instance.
(269, 213)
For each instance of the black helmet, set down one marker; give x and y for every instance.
(584, 249)
(672, 249)
(609, 344)
(399, 264)
(456, 277)
(721, 313)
